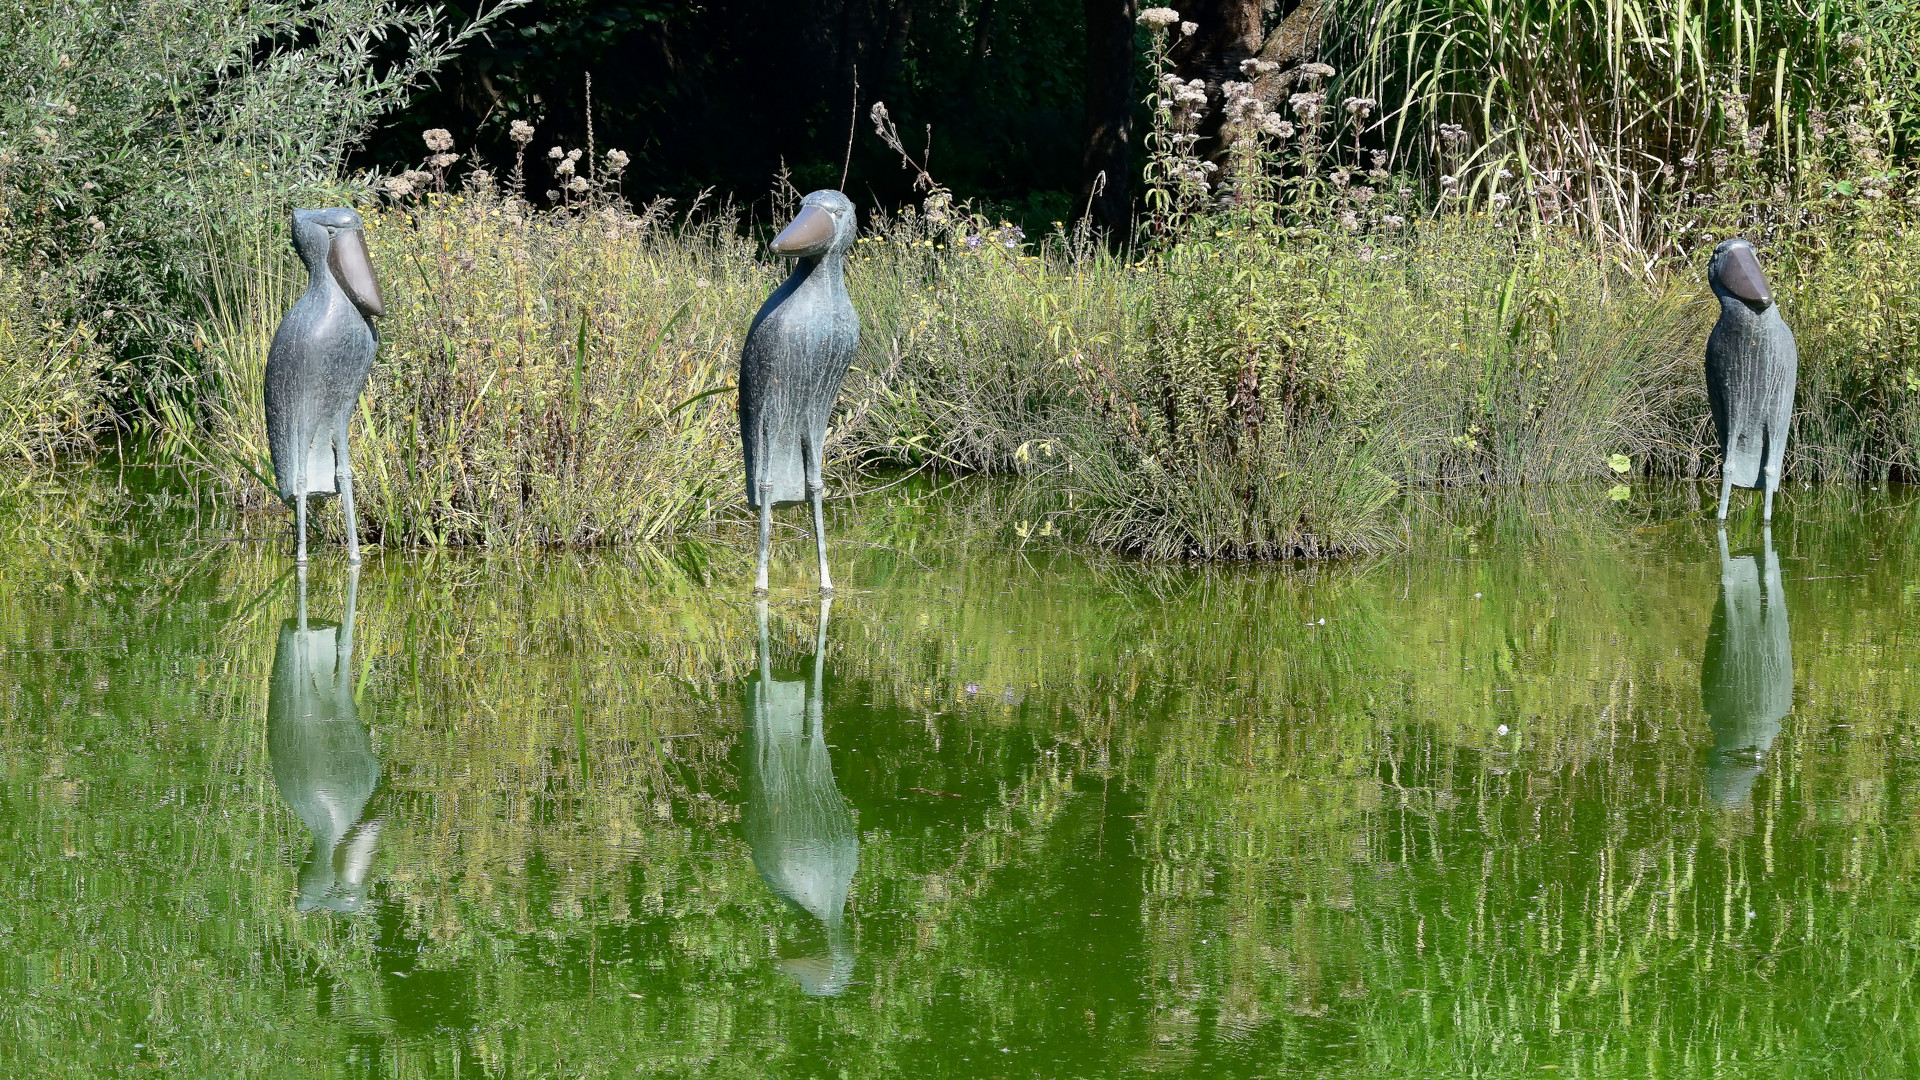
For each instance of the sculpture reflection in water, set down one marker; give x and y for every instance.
(797, 825)
(323, 761)
(1746, 678)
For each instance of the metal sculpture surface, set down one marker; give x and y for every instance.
(1752, 363)
(797, 825)
(1746, 676)
(796, 356)
(318, 365)
(323, 762)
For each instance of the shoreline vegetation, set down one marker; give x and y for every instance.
(1304, 328)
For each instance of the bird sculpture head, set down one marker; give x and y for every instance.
(826, 223)
(336, 239)
(1735, 271)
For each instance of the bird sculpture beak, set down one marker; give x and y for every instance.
(810, 233)
(347, 258)
(1742, 276)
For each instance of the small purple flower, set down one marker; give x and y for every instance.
(973, 242)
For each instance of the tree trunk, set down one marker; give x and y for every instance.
(1106, 191)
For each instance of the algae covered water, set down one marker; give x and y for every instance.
(1568, 791)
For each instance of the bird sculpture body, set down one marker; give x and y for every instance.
(795, 358)
(1752, 364)
(318, 365)
(323, 760)
(1746, 676)
(797, 826)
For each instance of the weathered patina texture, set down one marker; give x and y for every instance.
(318, 365)
(795, 358)
(1752, 364)
(1746, 675)
(323, 761)
(797, 825)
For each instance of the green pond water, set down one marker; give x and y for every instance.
(1569, 792)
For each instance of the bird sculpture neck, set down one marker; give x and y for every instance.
(821, 272)
(1741, 311)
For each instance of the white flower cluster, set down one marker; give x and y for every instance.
(520, 132)
(1158, 18)
(1186, 99)
(1248, 112)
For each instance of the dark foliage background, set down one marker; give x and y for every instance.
(719, 94)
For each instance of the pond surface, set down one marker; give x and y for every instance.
(1571, 792)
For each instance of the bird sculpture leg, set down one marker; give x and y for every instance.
(300, 519)
(816, 487)
(766, 538)
(1773, 484)
(1726, 492)
(766, 507)
(343, 479)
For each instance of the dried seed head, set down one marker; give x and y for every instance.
(438, 140)
(577, 184)
(1187, 28)
(441, 161)
(556, 153)
(1158, 18)
(616, 161)
(521, 132)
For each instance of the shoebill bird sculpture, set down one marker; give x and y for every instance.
(1752, 363)
(797, 826)
(796, 356)
(1746, 675)
(323, 761)
(318, 365)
